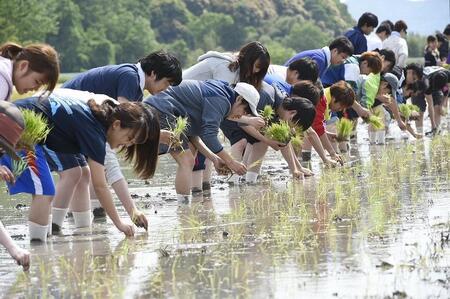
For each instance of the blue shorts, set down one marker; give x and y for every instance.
(60, 162)
(36, 179)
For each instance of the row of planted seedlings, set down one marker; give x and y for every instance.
(81, 274)
(243, 242)
(284, 224)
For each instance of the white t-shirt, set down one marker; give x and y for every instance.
(374, 42)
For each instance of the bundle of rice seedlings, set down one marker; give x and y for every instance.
(36, 129)
(178, 131)
(406, 110)
(344, 128)
(18, 167)
(375, 121)
(280, 132)
(267, 113)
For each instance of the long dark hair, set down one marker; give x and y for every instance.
(42, 59)
(248, 55)
(143, 154)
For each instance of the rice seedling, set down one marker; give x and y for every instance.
(375, 121)
(36, 130)
(267, 113)
(280, 132)
(178, 131)
(344, 128)
(18, 167)
(407, 110)
(297, 139)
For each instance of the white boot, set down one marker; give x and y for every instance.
(381, 137)
(184, 198)
(234, 180)
(372, 137)
(251, 177)
(58, 216)
(82, 219)
(37, 232)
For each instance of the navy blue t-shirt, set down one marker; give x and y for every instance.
(74, 129)
(113, 80)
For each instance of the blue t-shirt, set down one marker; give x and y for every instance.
(358, 39)
(205, 103)
(274, 79)
(74, 129)
(318, 55)
(113, 80)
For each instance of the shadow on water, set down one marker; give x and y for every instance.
(379, 226)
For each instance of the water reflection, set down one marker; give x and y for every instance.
(375, 227)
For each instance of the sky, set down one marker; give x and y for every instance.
(421, 16)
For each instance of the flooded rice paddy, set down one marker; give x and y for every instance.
(378, 227)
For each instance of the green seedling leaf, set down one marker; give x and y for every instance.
(36, 129)
(344, 128)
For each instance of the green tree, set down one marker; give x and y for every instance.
(100, 50)
(306, 37)
(212, 30)
(27, 20)
(70, 40)
(278, 52)
(170, 17)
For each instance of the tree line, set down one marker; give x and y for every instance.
(90, 33)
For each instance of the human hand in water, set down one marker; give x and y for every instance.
(306, 172)
(221, 167)
(298, 175)
(330, 163)
(22, 257)
(337, 158)
(237, 167)
(127, 229)
(139, 219)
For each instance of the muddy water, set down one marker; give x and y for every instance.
(378, 227)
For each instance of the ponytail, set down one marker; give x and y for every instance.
(144, 156)
(10, 50)
(103, 112)
(42, 59)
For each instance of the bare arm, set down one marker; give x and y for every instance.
(394, 108)
(105, 197)
(315, 142)
(430, 105)
(254, 121)
(203, 149)
(362, 112)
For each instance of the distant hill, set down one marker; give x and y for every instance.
(89, 33)
(422, 16)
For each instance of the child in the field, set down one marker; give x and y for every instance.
(27, 69)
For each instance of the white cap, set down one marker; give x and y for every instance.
(250, 94)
